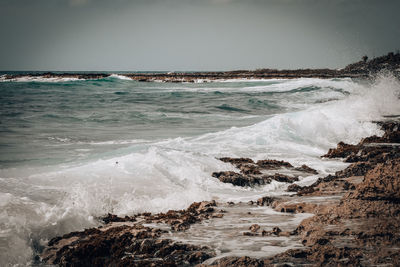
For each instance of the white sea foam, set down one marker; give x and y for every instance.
(293, 84)
(39, 204)
(121, 77)
(4, 78)
(247, 80)
(275, 85)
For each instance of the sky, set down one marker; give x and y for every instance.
(194, 35)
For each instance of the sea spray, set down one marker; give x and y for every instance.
(166, 139)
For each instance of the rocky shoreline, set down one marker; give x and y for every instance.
(355, 222)
(361, 69)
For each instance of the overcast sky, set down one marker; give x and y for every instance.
(194, 34)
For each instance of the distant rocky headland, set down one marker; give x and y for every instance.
(362, 69)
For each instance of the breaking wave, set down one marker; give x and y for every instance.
(40, 202)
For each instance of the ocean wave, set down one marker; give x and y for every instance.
(4, 78)
(175, 172)
(270, 85)
(345, 84)
(121, 77)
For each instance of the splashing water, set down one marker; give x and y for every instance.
(76, 150)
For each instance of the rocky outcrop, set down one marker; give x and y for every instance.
(341, 151)
(124, 241)
(389, 62)
(355, 224)
(255, 174)
(359, 230)
(361, 69)
(239, 179)
(124, 245)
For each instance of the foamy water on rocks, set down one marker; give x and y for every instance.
(74, 150)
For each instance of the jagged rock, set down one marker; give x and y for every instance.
(239, 179)
(381, 183)
(273, 164)
(281, 178)
(114, 218)
(236, 261)
(305, 168)
(294, 188)
(254, 228)
(250, 234)
(342, 150)
(236, 161)
(124, 242)
(265, 201)
(249, 169)
(355, 169)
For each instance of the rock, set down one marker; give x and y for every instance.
(282, 178)
(237, 262)
(254, 228)
(359, 230)
(361, 69)
(342, 150)
(355, 169)
(249, 234)
(265, 201)
(239, 179)
(294, 188)
(292, 207)
(381, 183)
(236, 161)
(123, 242)
(232, 178)
(249, 169)
(305, 168)
(273, 164)
(114, 218)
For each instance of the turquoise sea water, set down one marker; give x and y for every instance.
(73, 150)
(56, 122)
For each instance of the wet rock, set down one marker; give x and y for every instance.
(282, 178)
(239, 179)
(296, 207)
(114, 218)
(342, 150)
(249, 169)
(236, 161)
(381, 183)
(276, 231)
(250, 234)
(232, 178)
(355, 169)
(305, 168)
(265, 201)
(236, 261)
(273, 164)
(294, 188)
(254, 228)
(125, 242)
(359, 230)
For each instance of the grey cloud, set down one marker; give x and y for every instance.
(193, 35)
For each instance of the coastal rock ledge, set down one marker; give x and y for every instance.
(356, 224)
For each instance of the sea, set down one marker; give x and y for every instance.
(74, 150)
